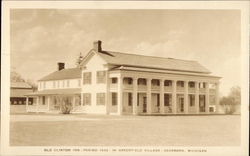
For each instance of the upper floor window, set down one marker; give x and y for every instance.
(44, 85)
(128, 80)
(191, 84)
(155, 82)
(79, 83)
(180, 83)
(68, 83)
(168, 83)
(100, 98)
(142, 81)
(114, 80)
(54, 84)
(101, 76)
(87, 78)
(58, 84)
(63, 83)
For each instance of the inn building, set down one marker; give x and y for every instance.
(109, 82)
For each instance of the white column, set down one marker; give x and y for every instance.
(162, 96)
(186, 97)
(27, 103)
(81, 99)
(120, 95)
(174, 96)
(48, 102)
(207, 98)
(74, 102)
(135, 88)
(217, 97)
(197, 109)
(149, 102)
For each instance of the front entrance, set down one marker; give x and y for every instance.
(144, 110)
(180, 103)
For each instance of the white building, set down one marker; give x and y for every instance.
(120, 83)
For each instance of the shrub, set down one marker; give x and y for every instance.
(66, 106)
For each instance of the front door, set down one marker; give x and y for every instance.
(181, 104)
(144, 104)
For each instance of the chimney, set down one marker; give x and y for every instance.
(98, 46)
(60, 65)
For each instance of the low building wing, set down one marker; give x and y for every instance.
(70, 73)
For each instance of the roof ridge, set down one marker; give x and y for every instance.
(169, 58)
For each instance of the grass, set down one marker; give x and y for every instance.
(129, 131)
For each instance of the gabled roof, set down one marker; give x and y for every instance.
(70, 73)
(20, 85)
(117, 58)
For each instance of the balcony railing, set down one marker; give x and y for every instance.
(155, 88)
(128, 86)
(202, 90)
(113, 86)
(168, 88)
(180, 89)
(212, 91)
(142, 87)
(191, 90)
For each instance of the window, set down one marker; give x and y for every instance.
(79, 83)
(101, 76)
(77, 100)
(43, 100)
(129, 99)
(191, 100)
(100, 99)
(142, 81)
(87, 78)
(167, 83)
(167, 99)
(44, 85)
(114, 80)
(114, 99)
(86, 99)
(68, 83)
(191, 84)
(128, 80)
(58, 84)
(158, 99)
(180, 83)
(155, 82)
(54, 84)
(63, 83)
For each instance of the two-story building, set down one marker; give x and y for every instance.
(120, 83)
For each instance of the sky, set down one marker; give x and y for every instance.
(39, 38)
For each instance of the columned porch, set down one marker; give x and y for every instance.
(54, 102)
(151, 95)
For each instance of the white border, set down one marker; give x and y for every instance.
(5, 53)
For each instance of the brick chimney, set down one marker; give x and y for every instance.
(60, 65)
(98, 46)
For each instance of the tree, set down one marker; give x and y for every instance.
(16, 77)
(231, 101)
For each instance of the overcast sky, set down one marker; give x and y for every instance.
(41, 38)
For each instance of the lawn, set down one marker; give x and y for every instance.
(84, 130)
